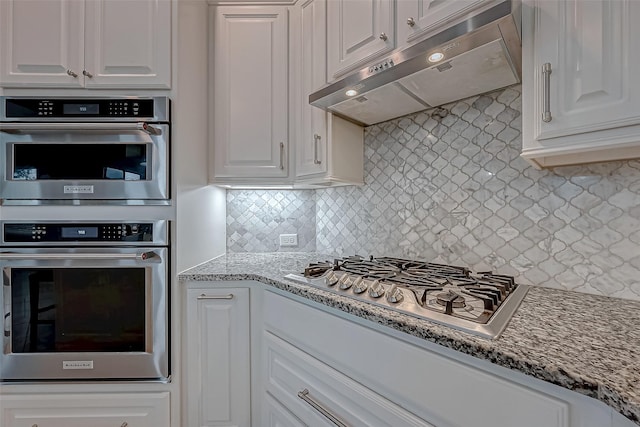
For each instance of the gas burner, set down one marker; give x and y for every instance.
(480, 303)
(450, 300)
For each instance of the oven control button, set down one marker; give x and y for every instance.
(394, 295)
(376, 290)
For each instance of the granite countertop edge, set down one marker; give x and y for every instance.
(617, 394)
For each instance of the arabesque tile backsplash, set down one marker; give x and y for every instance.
(448, 185)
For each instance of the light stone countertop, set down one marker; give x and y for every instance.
(586, 343)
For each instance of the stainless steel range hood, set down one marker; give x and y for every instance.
(481, 54)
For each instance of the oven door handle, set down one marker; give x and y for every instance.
(62, 127)
(140, 256)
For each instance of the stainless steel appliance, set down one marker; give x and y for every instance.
(478, 55)
(480, 303)
(83, 150)
(84, 300)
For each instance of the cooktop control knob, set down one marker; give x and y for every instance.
(376, 290)
(394, 294)
(345, 282)
(361, 286)
(331, 279)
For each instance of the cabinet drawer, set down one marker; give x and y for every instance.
(82, 410)
(315, 392)
(425, 383)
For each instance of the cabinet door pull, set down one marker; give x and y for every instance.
(125, 424)
(87, 74)
(546, 92)
(282, 155)
(304, 395)
(411, 22)
(204, 296)
(383, 37)
(71, 73)
(316, 142)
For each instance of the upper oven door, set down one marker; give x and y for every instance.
(125, 163)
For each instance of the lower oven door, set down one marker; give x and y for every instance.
(83, 313)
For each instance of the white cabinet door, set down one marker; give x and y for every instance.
(311, 150)
(94, 44)
(329, 150)
(41, 43)
(217, 358)
(586, 107)
(87, 409)
(358, 32)
(250, 94)
(128, 43)
(420, 18)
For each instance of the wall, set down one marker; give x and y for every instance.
(448, 185)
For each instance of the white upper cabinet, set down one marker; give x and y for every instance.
(250, 97)
(329, 150)
(420, 18)
(128, 43)
(41, 43)
(92, 44)
(358, 31)
(581, 99)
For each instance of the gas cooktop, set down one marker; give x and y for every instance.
(481, 303)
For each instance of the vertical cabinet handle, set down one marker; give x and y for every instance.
(304, 395)
(71, 73)
(316, 142)
(282, 155)
(87, 74)
(546, 92)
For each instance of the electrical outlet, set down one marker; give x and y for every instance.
(288, 240)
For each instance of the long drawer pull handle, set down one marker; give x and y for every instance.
(546, 92)
(316, 142)
(304, 395)
(204, 296)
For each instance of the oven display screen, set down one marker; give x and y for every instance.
(81, 108)
(79, 232)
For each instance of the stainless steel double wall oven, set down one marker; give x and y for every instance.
(85, 298)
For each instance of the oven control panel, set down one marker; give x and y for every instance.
(77, 232)
(78, 108)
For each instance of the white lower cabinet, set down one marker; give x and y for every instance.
(216, 358)
(85, 410)
(364, 377)
(322, 396)
(276, 415)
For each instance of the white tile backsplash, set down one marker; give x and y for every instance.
(448, 185)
